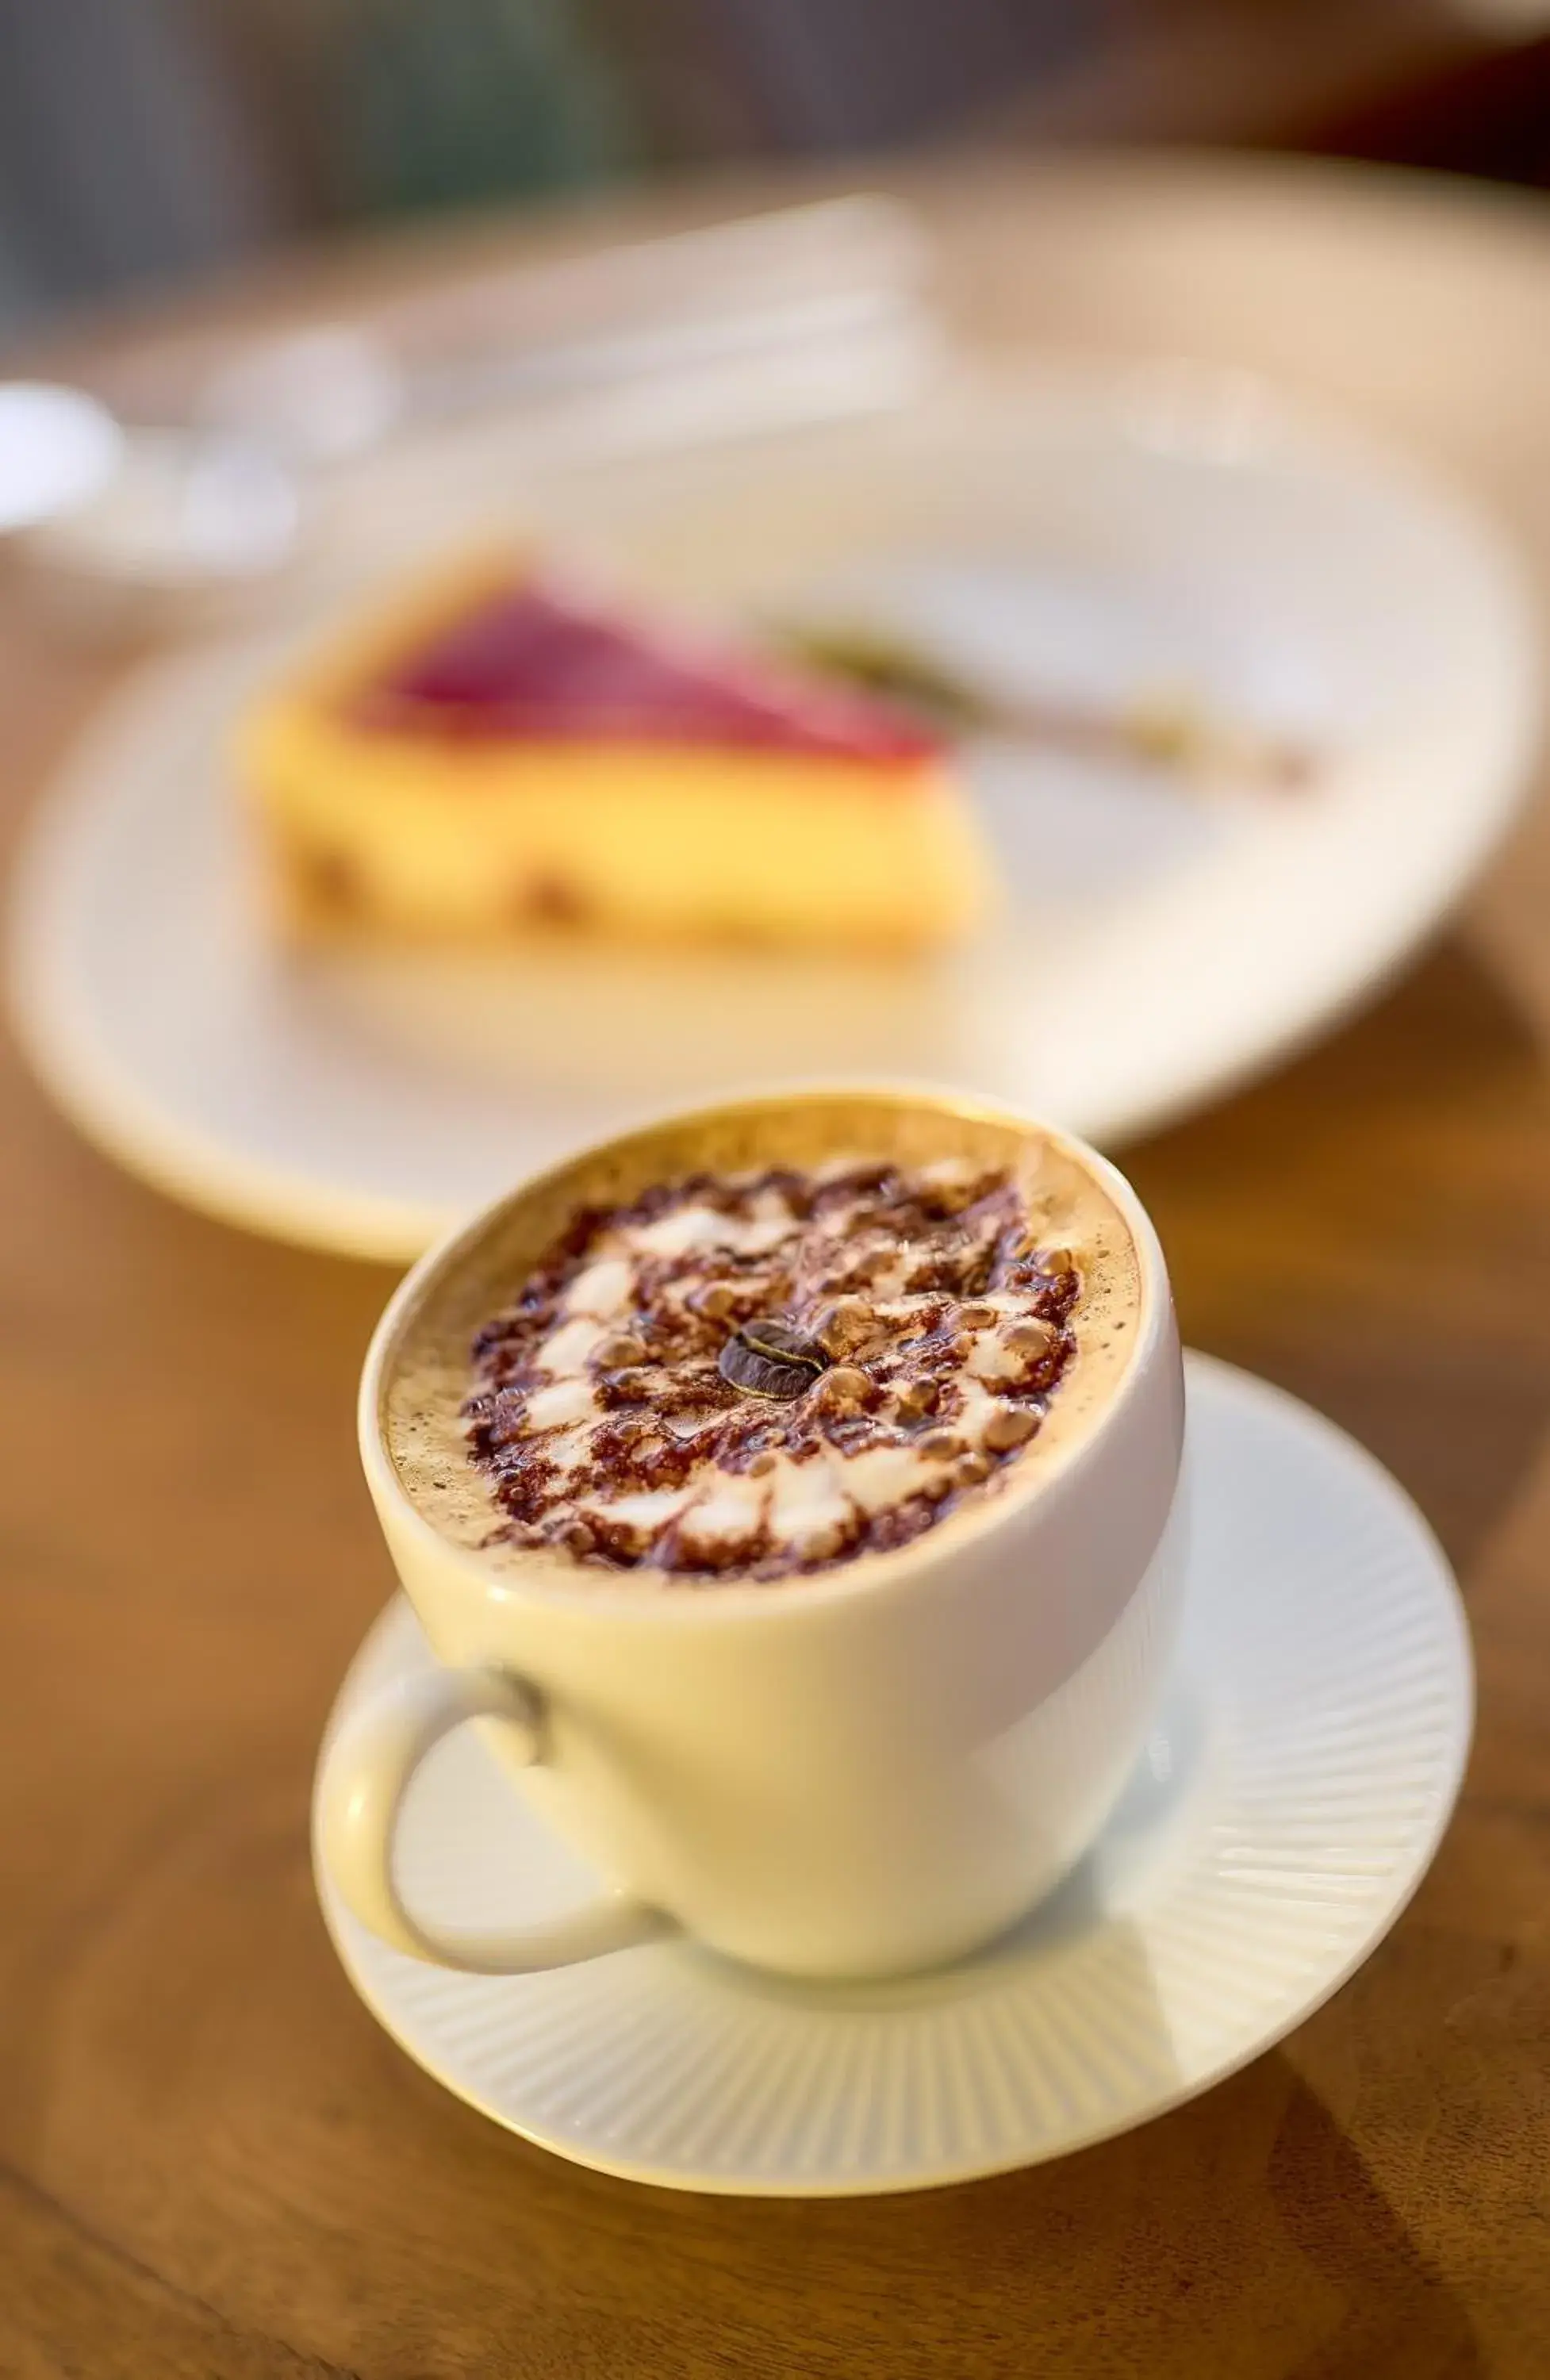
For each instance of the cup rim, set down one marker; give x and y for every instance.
(538, 1581)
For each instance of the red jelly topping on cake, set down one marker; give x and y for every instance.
(539, 664)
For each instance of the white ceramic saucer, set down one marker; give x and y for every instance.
(1304, 1766)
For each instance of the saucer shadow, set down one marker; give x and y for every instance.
(1397, 2311)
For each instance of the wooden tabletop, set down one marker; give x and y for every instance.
(212, 2161)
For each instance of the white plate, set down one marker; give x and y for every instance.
(1087, 537)
(1304, 1764)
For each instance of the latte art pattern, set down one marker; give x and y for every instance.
(765, 1374)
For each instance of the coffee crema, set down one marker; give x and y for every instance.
(758, 1375)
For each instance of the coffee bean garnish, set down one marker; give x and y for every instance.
(770, 1359)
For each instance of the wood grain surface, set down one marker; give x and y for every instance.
(213, 2163)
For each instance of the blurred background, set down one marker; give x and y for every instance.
(144, 139)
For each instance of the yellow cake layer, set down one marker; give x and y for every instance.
(438, 838)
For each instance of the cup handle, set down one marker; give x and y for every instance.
(367, 1771)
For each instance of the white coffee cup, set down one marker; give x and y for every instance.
(859, 1772)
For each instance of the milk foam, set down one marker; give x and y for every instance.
(841, 1483)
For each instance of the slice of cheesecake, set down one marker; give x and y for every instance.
(517, 752)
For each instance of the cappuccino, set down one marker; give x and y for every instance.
(754, 1374)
